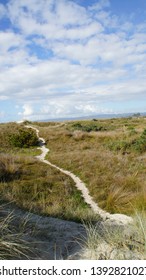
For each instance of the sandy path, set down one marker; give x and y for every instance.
(113, 218)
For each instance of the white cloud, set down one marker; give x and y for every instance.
(46, 18)
(100, 5)
(27, 111)
(84, 32)
(87, 108)
(69, 13)
(104, 48)
(3, 97)
(9, 40)
(64, 55)
(63, 107)
(14, 50)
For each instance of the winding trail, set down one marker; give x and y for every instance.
(111, 218)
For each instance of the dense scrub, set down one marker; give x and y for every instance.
(88, 127)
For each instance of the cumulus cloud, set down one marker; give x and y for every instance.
(27, 111)
(88, 109)
(64, 108)
(69, 58)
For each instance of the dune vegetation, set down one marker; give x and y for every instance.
(33, 185)
(109, 156)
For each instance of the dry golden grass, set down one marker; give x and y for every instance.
(116, 179)
(12, 245)
(106, 160)
(36, 186)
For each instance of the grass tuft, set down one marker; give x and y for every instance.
(108, 243)
(12, 245)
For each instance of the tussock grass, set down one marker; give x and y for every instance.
(8, 167)
(140, 224)
(118, 198)
(12, 245)
(36, 186)
(108, 243)
(41, 189)
(115, 177)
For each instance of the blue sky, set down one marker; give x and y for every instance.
(62, 58)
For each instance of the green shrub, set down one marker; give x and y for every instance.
(140, 144)
(144, 133)
(120, 145)
(88, 127)
(137, 145)
(23, 138)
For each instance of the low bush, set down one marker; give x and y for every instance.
(23, 138)
(134, 145)
(140, 144)
(118, 145)
(88, 127)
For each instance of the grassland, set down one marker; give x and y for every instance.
(35, 186)
(108, 155)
